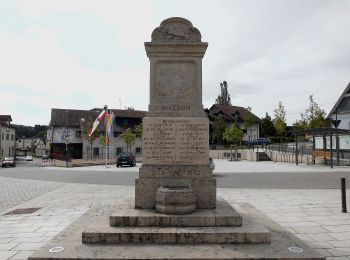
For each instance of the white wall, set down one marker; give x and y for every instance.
(8, 142)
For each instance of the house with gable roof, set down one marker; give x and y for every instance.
(66, 131)
(239, 115)
(340, 113)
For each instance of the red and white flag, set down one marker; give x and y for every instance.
(97, 121)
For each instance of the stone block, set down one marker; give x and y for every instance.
(175, 171)
(205, 189)
(71, 237)
(175, 140)
(253, 234)
(223, 215)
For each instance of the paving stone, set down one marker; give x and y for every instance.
(309, 230)
(321, 237)
(343, 243)
(339, 251)
(8, 246)
(29, 246)
(6, 240)
(340, 235)
(22, 255)
(339, 228)
(28, 239)
(4, 255)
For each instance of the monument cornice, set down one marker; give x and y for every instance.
(175, 49)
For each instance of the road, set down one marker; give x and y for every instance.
(126, 176)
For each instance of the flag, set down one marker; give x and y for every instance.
(109, 127)
(97, 121)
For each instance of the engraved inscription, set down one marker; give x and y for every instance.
(178, 140)
(175, 107)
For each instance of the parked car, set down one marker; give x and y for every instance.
(211, 164)
(126, 159)
(29, 158)
(45, 157)
(261, 141)
(8, 161)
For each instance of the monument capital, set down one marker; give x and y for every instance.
(176, 29)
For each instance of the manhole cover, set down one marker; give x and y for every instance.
(295, 249)
(56, 249)
(22, 211)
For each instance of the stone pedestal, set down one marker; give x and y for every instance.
(175, 200)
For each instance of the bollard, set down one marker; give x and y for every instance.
(343, 195)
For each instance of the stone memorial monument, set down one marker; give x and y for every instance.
(175, 213)
(176, 130)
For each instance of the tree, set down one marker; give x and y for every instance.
(314, 117)
(129, 138)
(86, 131)
(233, 135)
(224, 97)
(267, 127)
(248, 123)
(139, 130)
(219, 127)
(280, 119)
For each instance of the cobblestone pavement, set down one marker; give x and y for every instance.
(312, 215)
(14, 191)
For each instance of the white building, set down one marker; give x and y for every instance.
(340, 113)
(66, 131)
(7, 137)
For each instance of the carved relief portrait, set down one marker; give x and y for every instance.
(176, 80)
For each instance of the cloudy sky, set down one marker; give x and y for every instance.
(82, 54)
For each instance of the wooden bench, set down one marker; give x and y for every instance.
(325, 155)
(321, 153)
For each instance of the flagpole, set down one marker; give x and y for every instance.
(106, 120)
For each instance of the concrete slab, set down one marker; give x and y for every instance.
(170, 235)
(224, 215)
(282, 246)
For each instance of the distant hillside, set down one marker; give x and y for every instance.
(38, 131)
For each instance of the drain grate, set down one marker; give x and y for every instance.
(22, 211)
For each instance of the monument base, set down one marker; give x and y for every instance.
(199, 245)
(146, 189)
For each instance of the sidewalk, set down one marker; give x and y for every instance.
(226, 166)
(312, 215)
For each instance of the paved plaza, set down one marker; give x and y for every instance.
(313, 215)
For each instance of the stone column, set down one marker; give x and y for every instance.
(176, 129)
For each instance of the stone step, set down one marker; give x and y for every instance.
(262, 156)
(224, 215)
(252, 234)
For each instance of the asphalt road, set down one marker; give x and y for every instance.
(258, 180)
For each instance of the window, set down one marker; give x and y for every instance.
(119, 150)
(78, 134)
(7, 136)
(138, 149)
(12, 137)
(2, 136)
(126, 122)
(96, 151)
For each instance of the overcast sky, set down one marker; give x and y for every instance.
(84, 54)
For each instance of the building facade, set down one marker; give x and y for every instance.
(68, 130)
(340, 113)
(246, 120)
(30, 146)
(7, 137)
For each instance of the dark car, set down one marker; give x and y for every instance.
(8, 161)
(261, 141)
(126, 159)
